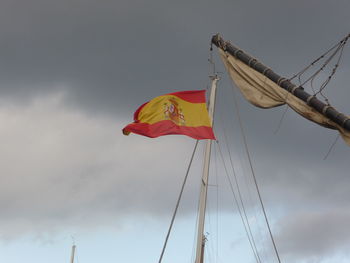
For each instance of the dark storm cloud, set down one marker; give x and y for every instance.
(109, 54)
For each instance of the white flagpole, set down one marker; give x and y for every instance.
(72, 255)
(204, 184)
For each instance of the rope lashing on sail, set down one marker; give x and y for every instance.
(177, 203)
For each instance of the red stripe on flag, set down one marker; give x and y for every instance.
(168, 127)
(194, 96)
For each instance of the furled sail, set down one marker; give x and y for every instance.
(262, 92)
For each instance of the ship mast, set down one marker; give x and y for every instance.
(72, 254)
(204, 184)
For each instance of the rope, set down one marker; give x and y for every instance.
(253, 174)
(211, 61)
(248, 187)
(332, 146)
(316, 60)
(210, 247)
(281, 119)
(239, 209)
(194, 235)
(325, 83)
(77, 255)
(313, 76)
(196, 227)
(177, 203)
(240, 195)
(339, 46)
(334, 49)
(217, 207)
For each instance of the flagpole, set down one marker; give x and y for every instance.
(204, 185)
(72, 254)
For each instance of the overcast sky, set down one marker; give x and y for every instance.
(73, 72)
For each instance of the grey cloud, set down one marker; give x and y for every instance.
(107, 54)
(313, 236)
(61, 169)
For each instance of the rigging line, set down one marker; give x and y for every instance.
(195, 227)
(211, 61)
(281, 119)
(239, 208)
(322, 67)
(211, 209)
(236, 200)
(331, 148)
(318, 59)
(194, 236)
(76, 255)
(217, 205)
(208, 255)
(253, 173)
(209, 223)
(338, 46)
(312, 64)
(300, 73)
(284, 112)
(251, 202)
(239, 193)
(325, 83)
(178, 202)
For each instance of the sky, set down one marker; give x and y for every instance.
(73, 72)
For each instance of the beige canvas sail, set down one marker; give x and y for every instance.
(264, 93)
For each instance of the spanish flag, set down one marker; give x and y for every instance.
(182, 112)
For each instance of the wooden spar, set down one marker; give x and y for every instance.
(298, 91)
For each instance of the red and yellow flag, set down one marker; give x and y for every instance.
(182, 112)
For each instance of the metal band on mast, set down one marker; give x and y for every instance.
(298, 91)
(204, 185)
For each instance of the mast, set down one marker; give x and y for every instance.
(204, 185)
(298, 91)
(72, 254)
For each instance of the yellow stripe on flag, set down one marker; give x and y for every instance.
(160, 109)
